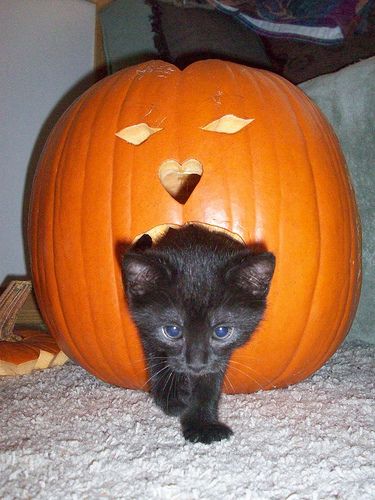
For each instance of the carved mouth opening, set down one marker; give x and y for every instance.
(160, 230)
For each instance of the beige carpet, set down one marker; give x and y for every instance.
(66, 435)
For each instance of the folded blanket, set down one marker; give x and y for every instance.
(321, 21)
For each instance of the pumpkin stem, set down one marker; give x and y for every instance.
(11, 302)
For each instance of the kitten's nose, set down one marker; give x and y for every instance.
(197, 368)
(196, 362)
(196, 352)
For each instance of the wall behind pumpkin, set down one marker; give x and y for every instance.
(46, 60)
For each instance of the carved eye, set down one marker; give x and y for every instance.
(136, 134)
(227, 124)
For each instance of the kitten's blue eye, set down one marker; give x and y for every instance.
(172, 331)
(222, 332)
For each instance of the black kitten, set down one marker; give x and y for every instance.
(195, 296)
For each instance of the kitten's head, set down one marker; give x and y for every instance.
(195, 297)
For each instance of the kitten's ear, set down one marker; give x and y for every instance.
(141, 274)
(254, 274)
(143, 243)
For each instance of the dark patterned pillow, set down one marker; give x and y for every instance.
(185, 35)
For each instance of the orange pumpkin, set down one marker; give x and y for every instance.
(270, 170)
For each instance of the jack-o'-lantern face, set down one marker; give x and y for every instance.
(180, 179)
(181, 141)
(218, 143)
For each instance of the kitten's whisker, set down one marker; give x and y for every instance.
(245, 357)
(227, 379)
(172, 384)
(266, 380)
(249, 377)
(168, 378)
(222, 371)
(154, 365)
(153, 376)
(148, 367)
(144, 360)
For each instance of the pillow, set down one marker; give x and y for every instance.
(190, 34)
(347, 98)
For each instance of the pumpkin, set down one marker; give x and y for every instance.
(229, 146)
(23, 350)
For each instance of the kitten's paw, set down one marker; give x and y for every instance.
(206, 433)
(173, 406)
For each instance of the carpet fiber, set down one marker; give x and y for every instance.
(65, 434)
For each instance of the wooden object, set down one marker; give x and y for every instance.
(11, 302)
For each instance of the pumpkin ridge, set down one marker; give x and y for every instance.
(341, 316)
(341, 321)
(120, 291)
(297, 103)
(58, 183)
(295, 112)
(35, 203)
(44, 297)
(269, 77)
(178, 110)
(248, 145)
(55, 211)
(129, 221)
(257, 82)
(101, 345)
(251, 80)
(280, 237)
(349, 208)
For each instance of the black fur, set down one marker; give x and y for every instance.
(196, 280)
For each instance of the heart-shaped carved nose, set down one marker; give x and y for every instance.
(180, 180)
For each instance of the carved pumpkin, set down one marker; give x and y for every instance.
(229, 146)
